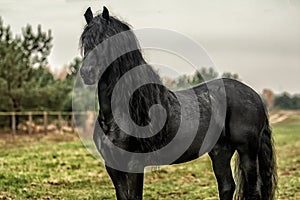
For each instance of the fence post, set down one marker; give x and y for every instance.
(30, 122)
(45, 122)
(73, 122)
(60, 123)
(13, 122)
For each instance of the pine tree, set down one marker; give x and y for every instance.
(23, 65)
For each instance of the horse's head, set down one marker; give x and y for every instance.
(94, 34)
(97, 45)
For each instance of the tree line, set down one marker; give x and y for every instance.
(202, 75)
(27, 84)
(287, 101)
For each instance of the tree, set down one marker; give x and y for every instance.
(23, 62)
(182, 82)
(23, 68)
(287, 101)
(73, 68)
(230, 75)
(204, 74)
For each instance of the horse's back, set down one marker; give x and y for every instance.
(237, 108)
(245, 112)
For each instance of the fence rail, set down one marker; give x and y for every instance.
(45, 115)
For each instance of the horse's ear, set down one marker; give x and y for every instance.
(88, 15)
(105, 13)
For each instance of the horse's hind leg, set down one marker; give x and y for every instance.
(129, 186)
(248, 156)
(221, 155)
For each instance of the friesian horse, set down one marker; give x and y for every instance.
(245, 128)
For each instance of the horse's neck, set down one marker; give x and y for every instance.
(105, 87)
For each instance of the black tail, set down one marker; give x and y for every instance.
(267, 164)
(239, 179)
(267, 168)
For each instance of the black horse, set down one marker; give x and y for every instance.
(244, 128)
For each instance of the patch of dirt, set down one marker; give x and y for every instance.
(281, 115)
(21, 139)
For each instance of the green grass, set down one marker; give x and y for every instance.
(56, 166)
(287, 140)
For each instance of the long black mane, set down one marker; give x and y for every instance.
(100, 29)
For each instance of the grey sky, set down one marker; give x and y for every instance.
(258, 39)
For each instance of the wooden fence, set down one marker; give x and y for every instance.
(44, 115)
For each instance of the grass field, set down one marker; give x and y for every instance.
(56, 166)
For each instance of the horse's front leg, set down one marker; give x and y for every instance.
(129, 186)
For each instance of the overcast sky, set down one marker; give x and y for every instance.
(258, 39)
